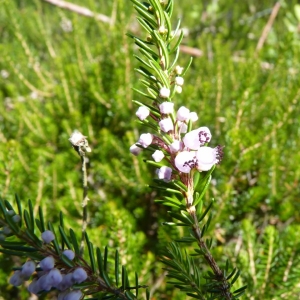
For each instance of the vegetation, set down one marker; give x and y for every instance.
(62, 71)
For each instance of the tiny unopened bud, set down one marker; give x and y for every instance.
(69, 254)
(162, 30)
(48, 236)
(43, 283)
(6, 230)
(164, 92)
(158, 155)
(16, 279)
(178, 89)
(135, 150)
(178, 70)
(79, 275)
(73, 295)
(54, 277)
(28, 268)
(11, 212)
(67, 281)
(16, 218)
(179, 81)
(146, 139)
(34, 287)
(47, 263)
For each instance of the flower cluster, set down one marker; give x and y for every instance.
(47, 274)
(181, 148)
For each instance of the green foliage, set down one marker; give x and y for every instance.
(61, 80)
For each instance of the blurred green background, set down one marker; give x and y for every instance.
(60, 71)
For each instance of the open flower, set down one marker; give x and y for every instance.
(206, 158)
(185, 161)
(196, 138)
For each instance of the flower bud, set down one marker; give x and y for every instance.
(193, 116)
(142, 113)
(6, 230)
(34, 287)
(135, 150)
(166, 125)
(16, 218)
(28, 268)
(178, 70)
(54, 277)
(48, 236)
(69, 254)
(179, 80)
(79, 275)
(47, 263)
(16, 279)
(67, 281)
(164, 92)
(73, 295)
(183, 114)
(164, 173)
(158, 155)
(43, 283)
(166, 107)
(146, 139)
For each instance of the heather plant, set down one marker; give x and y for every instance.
(214, 215)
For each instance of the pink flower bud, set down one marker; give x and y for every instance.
(166, 107)
(146, 139)
(183, 114)
(158, 155)
(164, 92)
(164, 173)
(166, 125)
(135, 150)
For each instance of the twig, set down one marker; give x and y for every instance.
(84, 203)
(80, 10)
(268, 27)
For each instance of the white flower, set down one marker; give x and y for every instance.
(196, 138)
(182, 127)
(178, 70)
(164, 92)
(206, 158)
(142, 113)
(183, 114)
(179, 80)
(158, 155)
(135, 150)
(176, 146)
(178, 89)
(185, 161)
(164, 173)
(166, 125)
(146, 139)
(193, 116)
(48, 236)
(166, 107)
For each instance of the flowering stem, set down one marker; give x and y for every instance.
(219, 275)
(84, 202)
